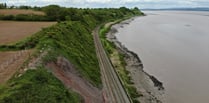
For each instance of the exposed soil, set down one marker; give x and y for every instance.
(67, 73)
(13, 31)
(16, 12)
(151, 89)
(10, 61)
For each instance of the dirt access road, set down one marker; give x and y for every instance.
(113, 89)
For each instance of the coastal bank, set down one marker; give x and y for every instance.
(141, 86)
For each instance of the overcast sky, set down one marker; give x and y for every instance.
(113, 3)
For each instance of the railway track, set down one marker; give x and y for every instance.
(112, 86)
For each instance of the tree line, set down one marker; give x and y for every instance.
(5, 6)
(58, 13)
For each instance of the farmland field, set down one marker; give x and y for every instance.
(10, 61)
(16, 12)
(13, 31)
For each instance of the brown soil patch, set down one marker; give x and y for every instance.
(13, 31)
(66, 72)
(16, 12)
(10, 61)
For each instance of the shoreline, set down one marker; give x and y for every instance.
(152, 90)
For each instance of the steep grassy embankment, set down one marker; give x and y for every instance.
(36, 86)
(71, 40)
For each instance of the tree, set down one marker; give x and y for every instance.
(24, 7)
(124, 10)
(52, 11)
(3, 6)
(136, 8)
(137, 11)
(55, 12)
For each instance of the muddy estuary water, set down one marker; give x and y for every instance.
(174, 47)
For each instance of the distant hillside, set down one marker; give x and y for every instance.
(181, 9)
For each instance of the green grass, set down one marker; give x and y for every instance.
(70, 39)
(36, 86)
(73, 41)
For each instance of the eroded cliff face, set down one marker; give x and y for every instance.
(151, 89)
(67, 73)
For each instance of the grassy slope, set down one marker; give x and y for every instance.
(36, 86)
(72, 40)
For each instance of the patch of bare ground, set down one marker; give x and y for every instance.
(13, 31)
(18, 11)
(10, 61)
(67, 73)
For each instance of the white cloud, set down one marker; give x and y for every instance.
(113, 3)
(98, 1)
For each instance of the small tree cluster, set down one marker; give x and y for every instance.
(3, 5)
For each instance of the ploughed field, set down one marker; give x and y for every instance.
(10, 61)
(13, 31)
(16, 12)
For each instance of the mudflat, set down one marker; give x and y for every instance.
(173, 46)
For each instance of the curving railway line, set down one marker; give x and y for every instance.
(112, 87)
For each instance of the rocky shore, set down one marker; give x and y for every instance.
(152, 90)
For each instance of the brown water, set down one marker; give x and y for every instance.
(174, 47)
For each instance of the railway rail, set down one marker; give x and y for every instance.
(112, 86)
